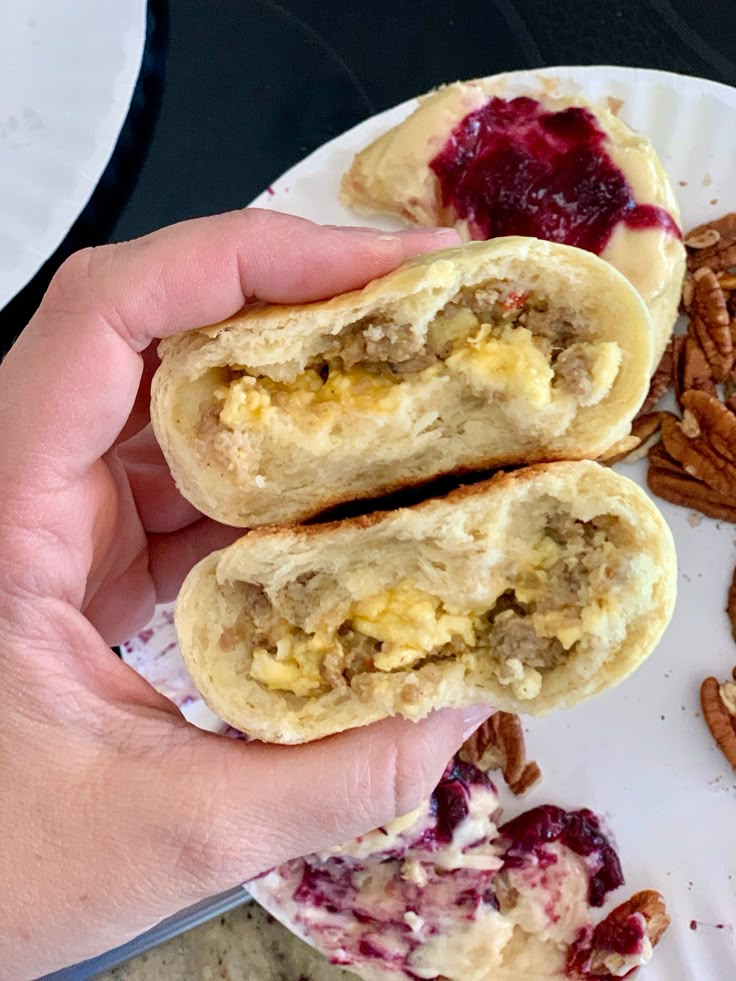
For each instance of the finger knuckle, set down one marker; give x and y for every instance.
(417, 770)
(409, 786)
(70, 281)
(395, 783)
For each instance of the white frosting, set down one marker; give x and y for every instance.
(645, 256)
(553, 900)
(467, 952)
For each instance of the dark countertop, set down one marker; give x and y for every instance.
(253, 86)
(234, 93)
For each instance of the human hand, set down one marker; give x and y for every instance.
(115, 812)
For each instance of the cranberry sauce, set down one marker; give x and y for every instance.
(356, 908)
(609, 936)
(328, 886)
(578, 830)
(450, 799)
(513, 168)
(622, 938)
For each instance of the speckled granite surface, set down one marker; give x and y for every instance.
(244, 945)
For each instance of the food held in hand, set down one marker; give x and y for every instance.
(528, 592)
(510, 156)
(452, 892)
(496, 353)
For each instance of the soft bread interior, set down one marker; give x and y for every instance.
(547, 358)
(529, 595)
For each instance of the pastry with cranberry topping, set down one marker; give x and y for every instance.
(451, 891)
(509, 155)
(528, 592)
(494, 353)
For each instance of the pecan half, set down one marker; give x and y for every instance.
(710, 322)
(499, 745)
(530, 775)
(713, 419)
(719, 711)
(690, 368)
(661, 379)
(718, 258)
(644, 434)
(667, 479)
(648, 904)
(705, 441)
(647, 426)
(731, 605)
(704, 239)
(708, 297)
(644, 915)
(688, 291)
(620, 450)
(705, 249)
(727, 281)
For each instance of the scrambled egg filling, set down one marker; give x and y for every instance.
(410, 624)
(295, 666)
(500, 361)
(568, 624)
(506, 361)
(248, 400)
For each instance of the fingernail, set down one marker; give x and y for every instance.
(473, 717)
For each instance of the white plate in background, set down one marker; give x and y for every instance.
(68, 70)
(640, 754)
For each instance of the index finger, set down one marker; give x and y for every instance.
(71, 379)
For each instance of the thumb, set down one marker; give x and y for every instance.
(247, 807)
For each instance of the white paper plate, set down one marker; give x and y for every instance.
(67, 73)
(641, 754)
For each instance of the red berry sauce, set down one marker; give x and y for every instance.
(514, 168)
(578, 830)
(625, 938)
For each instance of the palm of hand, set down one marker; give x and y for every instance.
(116, 812)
